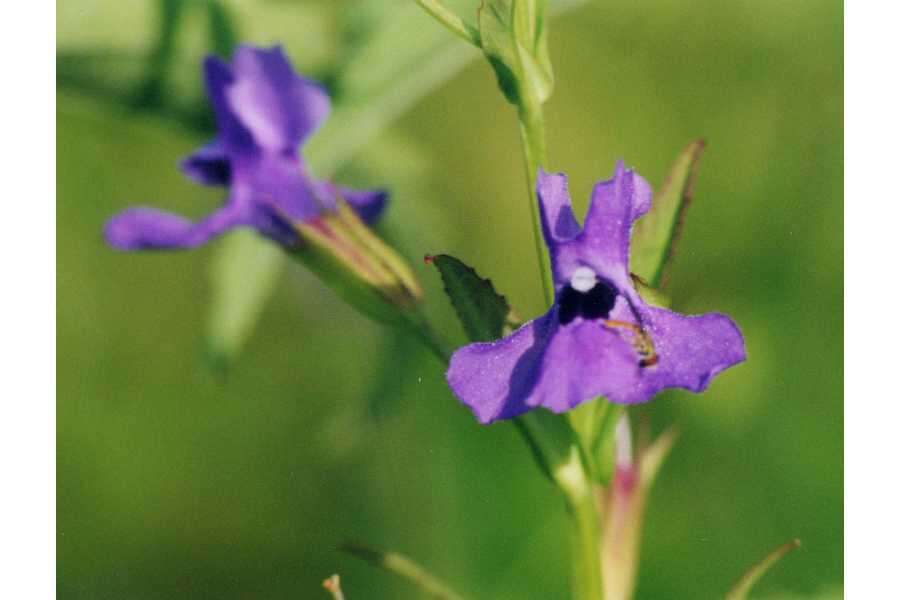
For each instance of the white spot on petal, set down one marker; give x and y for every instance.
(583, 279)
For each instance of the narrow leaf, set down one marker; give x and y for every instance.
(552, 441)
(481, 310)
(244, 272)
(603, 441)
(654, 453)
(152, 91)
(222, 33)
(514, 42)
(406, 568)
(656, 233)
(742, 588)
(450, 20)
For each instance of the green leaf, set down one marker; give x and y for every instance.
(222, 33)
(481, 310)
(406, 568)
(656, 233)
(451, 21)
(603, 439)
(152, 91)
(513, 37)
(392, 63)
(650, 295)
(742, 588)
(244, 272)
(553, 443)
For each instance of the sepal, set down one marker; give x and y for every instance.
(341, 249)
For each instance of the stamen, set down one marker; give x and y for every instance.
(641, 341)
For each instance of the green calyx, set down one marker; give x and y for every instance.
(341, 249)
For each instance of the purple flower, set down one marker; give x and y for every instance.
(264, 112)
(599, 338)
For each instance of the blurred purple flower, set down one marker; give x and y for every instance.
(264, 112)
(599, 337)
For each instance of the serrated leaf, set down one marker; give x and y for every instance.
(656, 233)
(481, 310)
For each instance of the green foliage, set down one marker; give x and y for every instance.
(748, 580)
(481, 310)
(657, 232)
(243, 274)
(222, 32)
(513, 36)
(171, 483)
(405, 567)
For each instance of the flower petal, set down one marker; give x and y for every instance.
(143, 228)
(541, 364)
(557, 219)
(208, 165)
(368, 204)
(691, 349)
(495, 379)
(583, 361)
(615, 205)
(234, 137)
(560, 367)
(279, 108)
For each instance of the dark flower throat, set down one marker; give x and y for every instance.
(592, 304)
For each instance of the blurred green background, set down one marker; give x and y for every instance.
(178, 481)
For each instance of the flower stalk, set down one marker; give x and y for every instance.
(574, 480)
(531, 129)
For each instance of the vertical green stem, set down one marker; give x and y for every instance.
(575, 481)
(576, 484)
(531, 127)
(587, 583)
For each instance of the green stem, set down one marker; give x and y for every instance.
(451, 21)
(406, 568)
(573, 477)
(575, 482)
(531, 128)
(429, 337)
